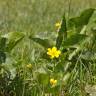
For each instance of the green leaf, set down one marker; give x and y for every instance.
(62, 34)
(74, 40)
(59, 68)
(2, 44)
(43, 42)
(2, 57)
(81, 20)
(2, 50)
(43, 79)
(13, 38)
(42, 76)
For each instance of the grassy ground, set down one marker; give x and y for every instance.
(37, 15)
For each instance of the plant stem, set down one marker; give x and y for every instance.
(69, 8)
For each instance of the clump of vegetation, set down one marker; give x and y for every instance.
(63, 65)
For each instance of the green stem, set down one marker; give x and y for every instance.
(24, 70)
(69, 8)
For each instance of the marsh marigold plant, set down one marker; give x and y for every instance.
(53, 52)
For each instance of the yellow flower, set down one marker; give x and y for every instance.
(53, 53)
(53, 82)
(29, 66)
(58, 25)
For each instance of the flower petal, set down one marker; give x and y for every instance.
(54, 49)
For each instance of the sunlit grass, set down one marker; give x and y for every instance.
(37, 15)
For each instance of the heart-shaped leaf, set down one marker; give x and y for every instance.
(81, 20)
(74, 40)
(43, 42)
(13, 38)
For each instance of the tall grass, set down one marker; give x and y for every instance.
(22, 15)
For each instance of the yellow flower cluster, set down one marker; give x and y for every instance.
(53, 53)
(53, 82)
(29, 66)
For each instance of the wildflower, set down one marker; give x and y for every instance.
(29, 66)
(53, 52)
(53, 82)
(58, 25)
